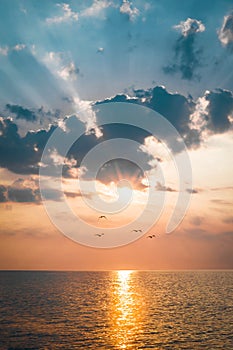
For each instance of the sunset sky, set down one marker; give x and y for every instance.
(131, 83)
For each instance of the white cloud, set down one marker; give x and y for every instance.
(19, 47)
(67, 15)
(199, 116)
(156, 149)
(69, 72)
(128, 9)
(225, 34)
(75, 172)
(87, 115)
(96, 8)
(55, 62)
(57, 159)
(52, 60)
(4, 50)
(190, 26)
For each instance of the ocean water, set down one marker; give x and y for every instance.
(116, 310)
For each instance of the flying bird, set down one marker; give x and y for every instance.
(136, 230)
(102, 217)
(151, 236)
(99, 234)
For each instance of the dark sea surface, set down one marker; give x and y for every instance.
(116, 310)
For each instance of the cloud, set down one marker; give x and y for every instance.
(127, 9)
(21, 154)
(228, 220)
(4, 51)
(175, 107)
(78, 194)
(213, 113)
(187, 58)
(67, 15)
(3, 194)
(69, 72)
(199, 117)
(156, 149)
(196, 220)
(26, 191)
(19, 47)
(225, 34)
(96, 9)
(190, 27)
(220, 109)
(22, 195)
(192, 190)
(57, 63)
(162, 188)
(21, 192)
(31, 118)
(120, 169)
(163, 102)
(222, 188)
(210, 114)
(21, 112)
(221, 202)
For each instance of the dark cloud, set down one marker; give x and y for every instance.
(3, 194)
(20, 191)
(117, 170)
(222, 188)
(220, 108)
(31, 115)
(26, 191)
(196, 220)
(160, 187)
(228, 220)
(176, 108)
(21, 154)
(221, 201)
(52, 194)
(78, 194)
(192, 190)
(187, 58)
(22, 195)
(21, 113)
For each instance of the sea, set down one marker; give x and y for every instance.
(116, 310)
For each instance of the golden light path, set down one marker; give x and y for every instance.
(126, 310)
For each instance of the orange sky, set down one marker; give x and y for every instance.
(203, 239)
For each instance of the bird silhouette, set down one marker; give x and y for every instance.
(136, 230)
(151, 236)
(102, 217)
(99, 234)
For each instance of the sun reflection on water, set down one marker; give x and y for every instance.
(125, 313)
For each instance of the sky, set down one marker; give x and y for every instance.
(116, 134)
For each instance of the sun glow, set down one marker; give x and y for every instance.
(126, 312)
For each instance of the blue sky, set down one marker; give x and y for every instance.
(136, 47)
